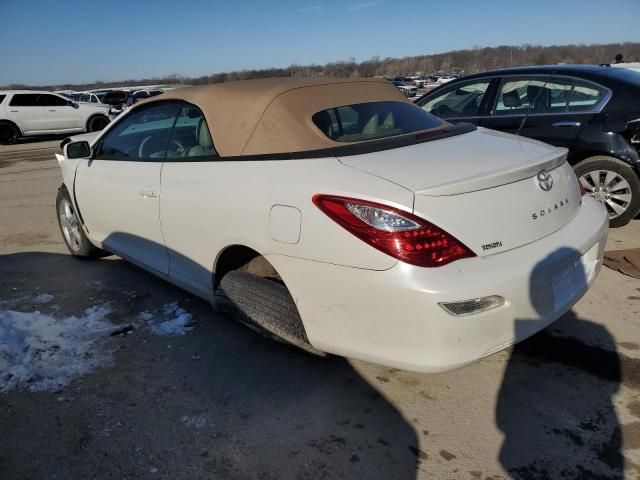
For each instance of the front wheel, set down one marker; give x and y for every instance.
(97, 123)
(71, 230)
(614, 183)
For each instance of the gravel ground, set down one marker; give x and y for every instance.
(220, 402)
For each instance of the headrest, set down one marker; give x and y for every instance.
(371, 127)
(324, 123)
(539, 95)
(389, 122)
(511, 99)
(204, 137)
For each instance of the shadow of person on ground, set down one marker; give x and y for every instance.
(555, 405)
(219, 402)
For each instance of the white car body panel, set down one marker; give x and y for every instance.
(500, 165)
(91, 137)
(28, 119)
(120, 206)
(63, 119)
(433, 168)
(69, 166)
(204, 188)
(393, 317)
(175, 218)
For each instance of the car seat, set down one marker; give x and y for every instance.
(511, 99)
(204, 144)
(324, 123)
(539, 98)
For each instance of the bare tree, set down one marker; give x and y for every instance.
(474, 60)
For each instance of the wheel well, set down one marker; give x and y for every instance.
(585, 154)
(240, 257)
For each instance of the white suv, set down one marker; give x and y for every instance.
(26, 113)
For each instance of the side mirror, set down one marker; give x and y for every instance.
(77, 150)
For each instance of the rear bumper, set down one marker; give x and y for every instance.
(392, 317)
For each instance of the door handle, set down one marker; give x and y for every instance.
(52, 110)
(148, 193)
(567, 124)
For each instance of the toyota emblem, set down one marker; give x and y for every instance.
(545, 180)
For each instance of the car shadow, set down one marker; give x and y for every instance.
(555, 406)
(219, 402)
(41, 138)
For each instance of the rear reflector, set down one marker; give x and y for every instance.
(393, 231)
(583, 191)
(473, 306)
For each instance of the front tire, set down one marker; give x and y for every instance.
(71, 229)
(264, 305)
(614, 183)
(97, 123)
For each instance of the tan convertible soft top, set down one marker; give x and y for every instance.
(273, 115)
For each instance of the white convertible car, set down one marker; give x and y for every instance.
(337, 216)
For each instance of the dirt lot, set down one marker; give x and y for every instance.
(222, 402)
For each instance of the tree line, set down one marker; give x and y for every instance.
(476, 59)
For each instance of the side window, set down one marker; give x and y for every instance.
(24, 100)
(51, 101)
(362, 122)
(2, 97)
(141, 135)
(458, 100)
(585, 96)
(191, 135)
(533, 95)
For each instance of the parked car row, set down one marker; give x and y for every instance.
(85, 97)
(25, 113)
(33, 113)
(594, 111)
(350, 203)
(407, 90)
(425, 81)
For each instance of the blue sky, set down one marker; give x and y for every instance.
(45, 41)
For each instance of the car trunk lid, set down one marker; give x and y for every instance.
(483, 187)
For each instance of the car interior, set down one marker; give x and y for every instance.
(144, 136)
(369, 121)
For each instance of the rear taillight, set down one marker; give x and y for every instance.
(395, 232)
(583, 191)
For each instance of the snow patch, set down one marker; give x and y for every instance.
(23, 299)
(172, 320)
(42, 298)
(40, 352)
(196, 421)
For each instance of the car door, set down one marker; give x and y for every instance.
(191, 168)
(459, 102)
(62, 115)
(118, 189)
(25, 111)
(552, 109)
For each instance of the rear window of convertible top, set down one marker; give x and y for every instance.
(374, 120)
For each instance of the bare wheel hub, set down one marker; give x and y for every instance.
(69, 224)
(609, 188)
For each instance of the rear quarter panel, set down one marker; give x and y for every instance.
(208, 206)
